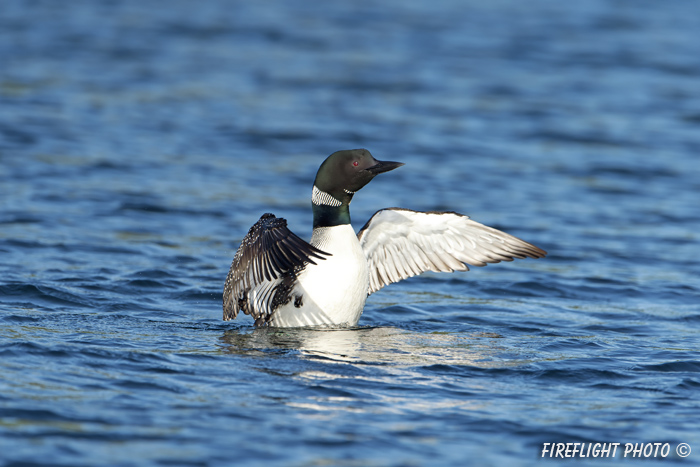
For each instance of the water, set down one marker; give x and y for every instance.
(139, 142)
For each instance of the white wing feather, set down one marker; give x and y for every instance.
(400, 243)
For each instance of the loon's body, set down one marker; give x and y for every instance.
(281, 280)
(334, 290)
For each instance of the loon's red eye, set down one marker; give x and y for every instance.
(355, 163)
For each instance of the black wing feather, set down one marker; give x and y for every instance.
(268, 260)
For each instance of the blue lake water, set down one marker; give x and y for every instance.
(139, 140)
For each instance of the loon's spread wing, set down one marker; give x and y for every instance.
(264, 270)
(400, 243)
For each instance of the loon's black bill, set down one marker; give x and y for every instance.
(384, 166)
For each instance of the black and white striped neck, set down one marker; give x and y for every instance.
(328, 209)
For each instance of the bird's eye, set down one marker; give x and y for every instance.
(355, 163)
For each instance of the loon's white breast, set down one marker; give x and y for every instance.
(333, 291)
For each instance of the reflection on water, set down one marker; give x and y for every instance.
(408, 363)
(371, 346)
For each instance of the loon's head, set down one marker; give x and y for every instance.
(345, 172)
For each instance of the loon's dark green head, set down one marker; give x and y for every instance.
(345, 172)
(339, 177)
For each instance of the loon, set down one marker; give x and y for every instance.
(283, 281)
